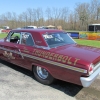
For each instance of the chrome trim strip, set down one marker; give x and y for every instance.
(56, 63)
(47, 61)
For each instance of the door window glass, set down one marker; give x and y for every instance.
(27, 39)
(13, 37)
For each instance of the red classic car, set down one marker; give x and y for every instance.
(51, 54)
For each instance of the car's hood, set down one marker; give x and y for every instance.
(84, 53)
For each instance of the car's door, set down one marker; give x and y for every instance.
(26, 47)
(11, 50)
(17, 48)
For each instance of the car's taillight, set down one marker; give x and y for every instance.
(91, 69)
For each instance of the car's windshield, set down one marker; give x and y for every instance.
(58, 39)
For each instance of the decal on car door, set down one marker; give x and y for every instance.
(9, 55)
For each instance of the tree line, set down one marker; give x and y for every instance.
(78, 19)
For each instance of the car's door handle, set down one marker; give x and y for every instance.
(19, 51)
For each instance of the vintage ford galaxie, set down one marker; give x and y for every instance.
(51, 54)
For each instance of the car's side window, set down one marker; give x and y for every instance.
(13, 37)
(27, 39)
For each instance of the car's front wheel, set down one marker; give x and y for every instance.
(42, 75)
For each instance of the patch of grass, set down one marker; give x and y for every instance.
(94, 43)
(72, 31)
(3, 35)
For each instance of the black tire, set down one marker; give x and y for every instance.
(47, 81)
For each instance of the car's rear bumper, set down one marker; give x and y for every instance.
(86, 81)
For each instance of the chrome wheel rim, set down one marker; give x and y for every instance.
(42, 73)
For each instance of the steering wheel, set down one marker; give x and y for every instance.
(16, 37)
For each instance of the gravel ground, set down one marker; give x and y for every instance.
(19, 84)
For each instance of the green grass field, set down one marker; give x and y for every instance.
(94, 43)
(3, 35)
(79, 41)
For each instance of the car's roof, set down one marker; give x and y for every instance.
(37, 30)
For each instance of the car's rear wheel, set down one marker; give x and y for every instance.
(42, 75)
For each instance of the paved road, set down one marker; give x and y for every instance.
(18, 84)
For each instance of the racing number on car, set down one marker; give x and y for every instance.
(8, 55)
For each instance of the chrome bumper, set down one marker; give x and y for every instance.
(86, 81)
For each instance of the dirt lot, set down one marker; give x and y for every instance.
(19, 84)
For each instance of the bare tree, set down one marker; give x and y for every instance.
(34, 16)
(14, 20)
(4, 20)
(64, 17)
(48, 15)
(39, 15)
(25, 18)
(95, 10)
(83, 14)
(20, 20)
(30, 14)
